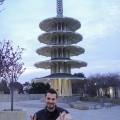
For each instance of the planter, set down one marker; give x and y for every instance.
(16, 114)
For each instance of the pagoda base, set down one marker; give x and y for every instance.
(62, 86)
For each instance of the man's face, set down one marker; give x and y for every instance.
(51, 100)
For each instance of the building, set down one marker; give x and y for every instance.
(59, 38)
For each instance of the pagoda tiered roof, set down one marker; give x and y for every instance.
(46, 50)
(56, 76)
(47, 24)
(47, 64)
(73, 37)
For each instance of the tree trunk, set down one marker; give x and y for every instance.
(12, 95)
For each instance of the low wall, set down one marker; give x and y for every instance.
(68, 99)
(116, 101)
(20, 97)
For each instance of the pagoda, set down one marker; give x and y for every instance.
(59, 38)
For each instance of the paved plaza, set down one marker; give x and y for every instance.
(32, 106)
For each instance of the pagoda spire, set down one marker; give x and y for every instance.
(59, 8)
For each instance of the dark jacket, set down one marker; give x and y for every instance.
(45, 115)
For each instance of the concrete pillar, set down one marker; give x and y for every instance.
(69, 53)
(65, 52)
(61, 52)
(67, 68)
(59, 87)
(51, 68)
(61, 25)
(67, 88)
(70, 87)
(64, 26)
(62, 67)
(57, 53)
(52, 54)
(57, 26)
(52, 83)
(57, 67)
(63, 89)
(55, 85)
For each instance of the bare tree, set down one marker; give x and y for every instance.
(78, 87)
(9, 65)
(114, 82)
(104, 81)
(10, 68)
(1, 2)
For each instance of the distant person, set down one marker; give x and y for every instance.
(51, 111)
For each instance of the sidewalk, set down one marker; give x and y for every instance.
(33, 106)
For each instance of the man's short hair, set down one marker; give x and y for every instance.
(52, 91)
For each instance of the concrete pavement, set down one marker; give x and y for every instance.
(33, 106)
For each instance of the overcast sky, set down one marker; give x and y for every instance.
(100, 28)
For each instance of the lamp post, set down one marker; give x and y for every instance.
(12, 93)
(11, 86)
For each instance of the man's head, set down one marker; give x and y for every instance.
(51, 98)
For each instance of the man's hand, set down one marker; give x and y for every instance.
(31, 117)
(62, 116)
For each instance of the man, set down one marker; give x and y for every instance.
(51, 111)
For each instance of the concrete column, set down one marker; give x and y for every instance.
(51, 68)
(57, 53)
(56, 84)
(57, 26)
(59, 87)
(70, 87)
(57, 39)
(62, 68)
(67, 68)
(67, 88)
(52, 83)
(57, 67)
(65, 52)
(63, 89)
(66, 26)
(54, 68)
(61, 26)
(52, 54)
(69, 53)
(61, 38)
(65, 39)
(61, 52)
